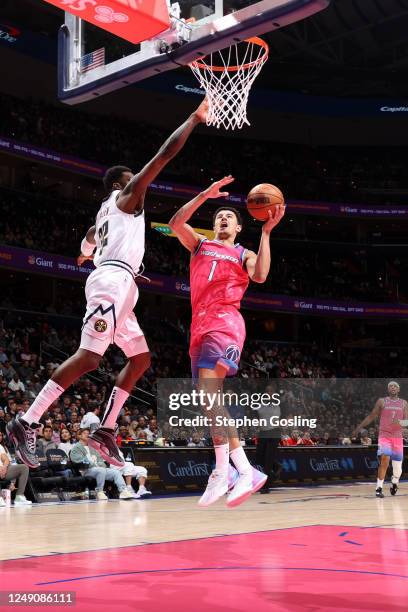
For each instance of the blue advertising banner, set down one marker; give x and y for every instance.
(172, 469)
(178, 190)
(26, 260)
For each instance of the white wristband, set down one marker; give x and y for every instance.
(87, 248)
(404, 423)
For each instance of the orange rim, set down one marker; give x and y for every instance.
(255, 41)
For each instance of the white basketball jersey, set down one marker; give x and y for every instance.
(120, 236)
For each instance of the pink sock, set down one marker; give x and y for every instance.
(117, 398)
(48, 394)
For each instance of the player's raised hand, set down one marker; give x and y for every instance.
(202, 111)
(214, 190)
(83, 258)
(274, 218)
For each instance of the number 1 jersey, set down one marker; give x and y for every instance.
(120, 236)
(217, 276)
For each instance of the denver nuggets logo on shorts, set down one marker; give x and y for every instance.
(232, 352)
(100, 325)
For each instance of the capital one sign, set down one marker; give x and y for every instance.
(133, 20)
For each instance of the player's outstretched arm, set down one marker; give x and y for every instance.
(258, 265)
(178, 223)
(375, 413)
(131, 199)
(87, 246)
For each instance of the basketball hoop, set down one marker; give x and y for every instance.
(227, 77)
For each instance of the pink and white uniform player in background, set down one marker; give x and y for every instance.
(220, 271)
(393, 413)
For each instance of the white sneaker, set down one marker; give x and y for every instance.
(22, 501)
(101, 496)
(233, 476)
(241, 491)
(217, 487)
(2, 502)
(258, 480)
(143, 491)
(126, 494)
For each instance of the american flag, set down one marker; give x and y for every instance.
(92, 60)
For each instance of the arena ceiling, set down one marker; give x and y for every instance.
(354, 48)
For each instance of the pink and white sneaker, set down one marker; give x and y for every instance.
(258, 478)
(241, 491)
(217, 487)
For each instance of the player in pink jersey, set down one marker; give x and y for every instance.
(393, 414)
(220, 271)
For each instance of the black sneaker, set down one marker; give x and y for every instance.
(393, 488)
(24, 438)
(378, 492)
(103, 441)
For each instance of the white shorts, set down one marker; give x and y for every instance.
(111, 295)
(136, 471)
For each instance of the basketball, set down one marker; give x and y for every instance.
(262, 198)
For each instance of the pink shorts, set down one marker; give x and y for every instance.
(111, 295)
(217, 338)
(392, 447)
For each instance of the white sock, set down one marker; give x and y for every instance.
(221, 458)
(380, 483)
(240, 460)
(396, 471)
(48, 394)
(117, 398)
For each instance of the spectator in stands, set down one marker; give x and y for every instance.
(3, 355)
(56, 430)
(91, 419)
(195, 440)
(66, 441)
(2, 421)
(141, 435)
(306, 440)
(9, 471)
(16, 384)
(295, 438)
(45, 442)
(365, 439)
(25, 371)
(92, 465)
(7, 371)
(123, 435)
(133, 431)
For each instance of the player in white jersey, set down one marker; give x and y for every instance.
(393, 414)
(117, 238)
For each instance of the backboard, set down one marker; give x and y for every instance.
(93, 62)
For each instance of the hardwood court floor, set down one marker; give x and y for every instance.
(316, 548)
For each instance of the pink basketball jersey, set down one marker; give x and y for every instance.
(393, 409)
(217, 276)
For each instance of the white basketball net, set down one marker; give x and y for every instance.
(227, 77)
